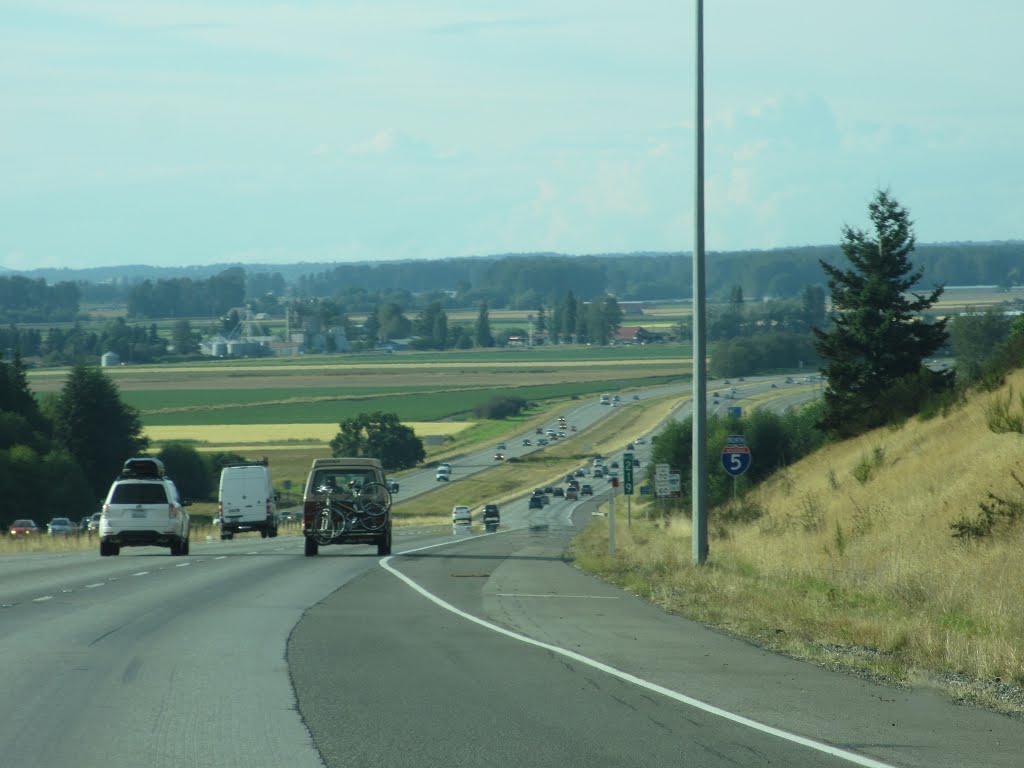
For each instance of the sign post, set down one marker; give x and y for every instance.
(627, 485)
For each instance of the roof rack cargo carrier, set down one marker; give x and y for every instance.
(143, 467)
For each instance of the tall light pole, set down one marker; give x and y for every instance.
(699, 478)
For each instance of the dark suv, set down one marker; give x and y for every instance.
(492, 517)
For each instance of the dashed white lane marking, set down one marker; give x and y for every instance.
(181, 565)
(141, 573)
(97, 584)
(221, 557)
(842, 754)
(42, 599)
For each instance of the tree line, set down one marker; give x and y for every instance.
(507, 281)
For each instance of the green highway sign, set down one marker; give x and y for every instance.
(627, 473)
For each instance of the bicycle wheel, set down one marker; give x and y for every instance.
(374, 503)
(329, 523)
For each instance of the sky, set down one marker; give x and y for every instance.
(223, 131)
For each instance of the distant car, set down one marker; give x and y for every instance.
(615, 465)
(636, 397)
(536, 502)
(630, 447)
(542, 441)
(499, 457)
(586, 490)
(462, 514)
(527, 441)
(539, 431)
(641, 440)
(501, 447)
(581, 472)
(573, 427)
(492, 517)
(61, 526)
(549, 489)
(598, 473)
(572, 494)
(559, 491)
(23, 528)
(444, 472)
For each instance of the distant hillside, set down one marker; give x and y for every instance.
(531, 279)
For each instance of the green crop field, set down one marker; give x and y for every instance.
(421, 406)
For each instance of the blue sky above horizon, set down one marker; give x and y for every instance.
(189, 132)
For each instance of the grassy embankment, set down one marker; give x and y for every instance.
(852, 563)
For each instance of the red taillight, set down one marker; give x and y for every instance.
(308, 513)
(220, 509)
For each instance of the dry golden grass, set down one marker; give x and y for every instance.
(853, 562)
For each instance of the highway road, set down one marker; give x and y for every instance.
(459, 650)
(585, 414)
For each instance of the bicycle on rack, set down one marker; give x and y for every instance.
(355, 510)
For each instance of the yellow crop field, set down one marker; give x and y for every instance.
(266, 434)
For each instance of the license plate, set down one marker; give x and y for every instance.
(138, 513)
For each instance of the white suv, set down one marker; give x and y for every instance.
(142, 509)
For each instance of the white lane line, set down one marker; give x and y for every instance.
(578, 597)
(252, 553)
(221, 557)
(42, 599)
(97, 584)
(141, 573)
(182, 565)
(851, 757)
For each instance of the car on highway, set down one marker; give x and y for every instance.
(559, 491)
(598, 473)
(527, 441)
(492, 517)
(143, 509)
(572, 494)
(21, 528)
(536, 502)
(444, 472)
(542, 441)
(641, 440)
(501, 447)
(462, 515)
(61, 526)
(586, 490)
(581, 472)
(499, 457)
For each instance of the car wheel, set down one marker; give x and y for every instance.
(384, 544)
(312, 548)
(273, 532)
(175, 548)
(263, 533)
(185, 546)
(104, 549)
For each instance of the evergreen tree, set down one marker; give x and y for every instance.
(483, 335)
(875, 349)
(95, 426)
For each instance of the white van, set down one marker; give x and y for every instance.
(247, 501)
(444, 472)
